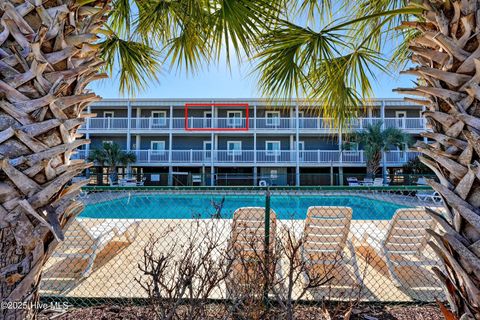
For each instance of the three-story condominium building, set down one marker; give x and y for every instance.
(243, 141)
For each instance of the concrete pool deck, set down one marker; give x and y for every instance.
(116, 267)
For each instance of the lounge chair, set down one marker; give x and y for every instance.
(378, 182)
(422, 181)
(367, 182)
(85, 242)
(429, 196)
(353, 182)
(404, 240)
(246, 246)
(326, 238)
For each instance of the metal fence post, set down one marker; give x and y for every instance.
(266, 287)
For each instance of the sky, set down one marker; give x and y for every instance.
(220, 81)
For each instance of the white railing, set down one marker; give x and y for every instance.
(262, 124)
(147, 156)
(275, 123)
(412, 124)
(108, 123)
(400, 156)
(319, 156)
(263, 156)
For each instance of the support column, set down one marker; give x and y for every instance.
(170, 146)
(384, 165)
(340, 156)
(213, 155)
(297, 153)
(87, 136)
(129, 135)
(340, 176)
(425, 139)
(255, 171)
(138, 118)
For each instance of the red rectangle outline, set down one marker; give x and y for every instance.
(246, 105)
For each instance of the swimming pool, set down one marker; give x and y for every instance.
(188, 206)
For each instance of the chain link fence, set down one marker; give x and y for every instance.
(255, 250)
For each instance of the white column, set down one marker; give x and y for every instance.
(137, 116)
(87, 136)
(297, 154)
(384, 165)
(213, 155)
(129, 136)
(425, 139)
(170, 146)
(138, 141)
(382, 113)
(214, 141)
(129, 125)
(340, 146)
(255, 171)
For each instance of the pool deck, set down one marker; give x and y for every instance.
(116, 267)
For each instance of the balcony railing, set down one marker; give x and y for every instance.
(261, 156)
(261, 124)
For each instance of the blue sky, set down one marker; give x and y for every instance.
(218, 81)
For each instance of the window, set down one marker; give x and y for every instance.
(207, 114)
(157, 147)
(234, 147)
(234, 118)
(108, 114)
(273, 118)
(207, 149)
(107, 142)
(273, 174)
(400, 114)
(207, 119)
(159, 118)
(301, 149)
(272, 147)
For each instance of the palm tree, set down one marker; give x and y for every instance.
(376, 141)
(335, 62)
(111, 156)
(50, 51)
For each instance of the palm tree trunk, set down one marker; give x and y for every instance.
(447, 52)
(46, 61)
(373, 164)
(113, 175)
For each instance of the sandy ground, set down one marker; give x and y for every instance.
(115, 268)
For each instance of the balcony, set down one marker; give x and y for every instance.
(288, 157)
(413, 125)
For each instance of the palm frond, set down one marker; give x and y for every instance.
(331, 68)
(137, 62)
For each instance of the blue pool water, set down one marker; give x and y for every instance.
(190, 206)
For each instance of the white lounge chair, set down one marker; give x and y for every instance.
(404, 240)
(85, 242)
(246, 246)
(378, 182)
(429, 196)
(326, 238)
(367, 182)
(422, 181)
(353, 182)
